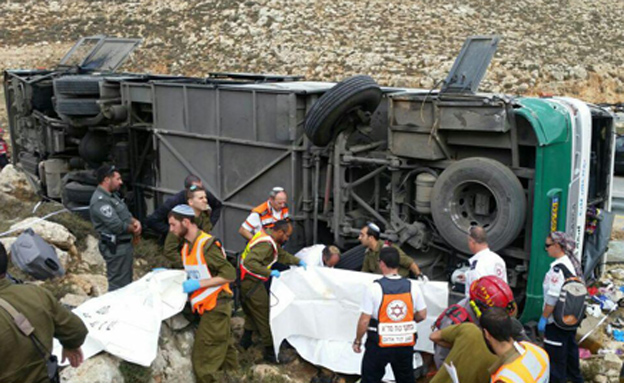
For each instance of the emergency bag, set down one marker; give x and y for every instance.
(456, 313)
(34, 256)
(570, 307)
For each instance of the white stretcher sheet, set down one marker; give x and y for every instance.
(126, 322)
(317, 312)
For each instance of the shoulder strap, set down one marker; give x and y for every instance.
(20, 320)
(566, 272)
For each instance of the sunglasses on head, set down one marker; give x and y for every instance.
(193, 187)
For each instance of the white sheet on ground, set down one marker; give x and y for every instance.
(317, 312)
(126, 322)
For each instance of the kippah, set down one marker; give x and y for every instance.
(184, 210)
(374, 227)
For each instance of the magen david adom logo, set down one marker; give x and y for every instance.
(396, 310)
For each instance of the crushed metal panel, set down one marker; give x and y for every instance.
(471, 64)
(476, 118)
(109, 54)
(81, 50)
(415, 145)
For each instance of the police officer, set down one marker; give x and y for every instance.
(518, 362)
(210, 274)
(370, 238)
(262, 252)
(21, 360)
(560, 344)
(391, 307)
(266, 214)
(198, 201)
(484, 262)
(115, 225)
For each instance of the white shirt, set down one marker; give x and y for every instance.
(312, 255)
(253, 223)
(373, 296)
(553, 281)
(484, 263)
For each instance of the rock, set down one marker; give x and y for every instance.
(177, 322)
(7, 199)
(16, 183)
(63, 257)
(613, 362)
(73, 300)
(91, 255)
(51, 232)
(238, 325)
(91, 284)
(7, 242)
(102, 368)
(184, 342)
(171, 365)
(262, 371)
(600, 379)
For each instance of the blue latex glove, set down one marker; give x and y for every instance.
(190, 285)
(303, 264)
(541, 326)
(275, 273)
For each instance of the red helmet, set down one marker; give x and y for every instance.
(491, 291)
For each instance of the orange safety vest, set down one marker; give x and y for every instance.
(395, 326)
(532, 366)
(265, 211)
(203, 299)
(259, 237)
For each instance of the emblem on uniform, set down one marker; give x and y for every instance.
(106, 210)
(499, 270)
(396, 310)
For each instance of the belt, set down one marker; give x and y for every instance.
(124, 240)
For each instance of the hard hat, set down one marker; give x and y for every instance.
(491, 291)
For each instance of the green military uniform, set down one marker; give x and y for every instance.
(371, 261)
(173, 244)
(254, 296)
(214, 349)
(110, 217)
(21, 362)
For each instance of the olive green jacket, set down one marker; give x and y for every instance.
(20, 360)
(371, 261)
(173, 244)
(261, 255)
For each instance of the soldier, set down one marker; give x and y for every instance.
(370, 238)
(209, 293)
(115, 225)
(198, 201)
(22, 359)
(264, 249)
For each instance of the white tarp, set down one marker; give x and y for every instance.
(126, 322)
(317, 312)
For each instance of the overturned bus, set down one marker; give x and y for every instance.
(423, 164)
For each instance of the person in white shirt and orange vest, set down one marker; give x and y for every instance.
(391, 307)
(262, 252)
(210, 274)
(266, 214)
(519, 362)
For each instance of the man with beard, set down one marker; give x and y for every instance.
(262, 252)
(370, 237)
(518, 362)
(197, 199)
(115, 225)
(210, 296)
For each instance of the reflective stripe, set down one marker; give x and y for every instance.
(205, 294)
(259, 237)
(531, 367)
(509, 376)
(553, 343)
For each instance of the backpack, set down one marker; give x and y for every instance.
(456, 313)
(570, 307)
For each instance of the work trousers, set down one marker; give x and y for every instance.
(214, 349)
(563, 352)
(118, 265)
(376, 358)
(255, 302)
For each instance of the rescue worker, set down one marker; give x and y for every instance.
(21, 359)
(266, 214)
(484, 261)
(115, 225)
(560, 344)
(4, 151)
(486, 292)
(319, 255)
(264, 250)
(158, 220)
(518, 362)
(391, 307)
(197, 200)
(210, 274)
(370, 238)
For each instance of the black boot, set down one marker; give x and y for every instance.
(246, 341)
(269, 355)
